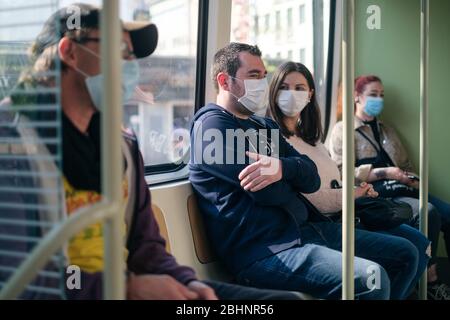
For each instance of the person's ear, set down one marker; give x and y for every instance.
(311, 94)
(223, 81)
(66, 51)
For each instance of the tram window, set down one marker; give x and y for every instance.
(301, 14)
(306, 42)
(167, 78)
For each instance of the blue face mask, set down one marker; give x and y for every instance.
(130, 80)
(374, 106)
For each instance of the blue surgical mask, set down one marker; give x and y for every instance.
(130, 80)
(374, 106)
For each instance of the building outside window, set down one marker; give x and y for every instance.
(302, 14)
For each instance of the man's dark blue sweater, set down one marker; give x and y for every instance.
(245, 226)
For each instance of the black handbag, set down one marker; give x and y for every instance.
(382, 214)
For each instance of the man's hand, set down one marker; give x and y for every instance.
(260, 174)
(365, 190)
(157, 287)
(204, 292)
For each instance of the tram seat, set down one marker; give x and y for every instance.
(197, 253)
(186, 239)
(203, 249)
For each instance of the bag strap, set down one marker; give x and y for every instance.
(369, 140)
(380, 150)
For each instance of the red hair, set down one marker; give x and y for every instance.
(362, 81)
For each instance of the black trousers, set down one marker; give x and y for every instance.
(227, 291)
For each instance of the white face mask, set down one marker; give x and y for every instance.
(292, 102)
(130, 80)
(255, 93)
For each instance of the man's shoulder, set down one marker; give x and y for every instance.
(129, 135)
(337, 131)
(131, 141)
(214, 116)
(338, 125)
(267, 122)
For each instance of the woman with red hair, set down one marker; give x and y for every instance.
(382, 160)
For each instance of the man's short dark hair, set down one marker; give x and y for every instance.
(227, 59)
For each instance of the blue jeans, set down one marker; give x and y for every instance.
(420, 242)
(438, 220)
(385, 266)
(444, 211)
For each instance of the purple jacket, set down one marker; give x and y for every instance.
(147, 253)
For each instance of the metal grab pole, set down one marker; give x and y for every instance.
(348, 212)
(112, 166)
(424, 105)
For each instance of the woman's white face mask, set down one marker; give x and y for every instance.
(292, 102)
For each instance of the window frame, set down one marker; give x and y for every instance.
(302, 14)
(201, 74)
(266, 22)
(333, 43)
(278, 21)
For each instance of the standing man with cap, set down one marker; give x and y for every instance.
(152, 272)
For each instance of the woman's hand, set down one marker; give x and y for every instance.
(394, 173)
(365, 190)
(414, 182)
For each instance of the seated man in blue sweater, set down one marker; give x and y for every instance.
(247, 179)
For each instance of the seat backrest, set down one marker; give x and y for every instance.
(203, 249)
(181, 225)
(162, 225)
